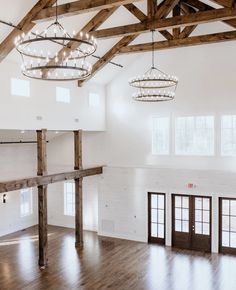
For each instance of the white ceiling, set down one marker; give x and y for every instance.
(120, 17)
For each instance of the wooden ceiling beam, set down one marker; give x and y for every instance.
(205, 7)
(79, 7)
(176, 12)
(151, 8)
(161, 12)
(185, 42)
(168, 23)
(142, 17)
(109, 56)
(189, 29)
(25, 25)
(48, 179)
(224, 3)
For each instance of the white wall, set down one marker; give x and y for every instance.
(61, 158)
(206, 86)
(16, 161)
(21, 112)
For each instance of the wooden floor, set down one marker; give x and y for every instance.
(107, 263)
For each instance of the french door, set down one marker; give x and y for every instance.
(156, 218)
(227, 216)
(191, 222)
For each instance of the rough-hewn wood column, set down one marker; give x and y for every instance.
(78, 190)
(42, 198)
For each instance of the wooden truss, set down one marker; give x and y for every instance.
(174, 19)
(44, 179)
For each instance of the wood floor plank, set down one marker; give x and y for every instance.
(106, 263)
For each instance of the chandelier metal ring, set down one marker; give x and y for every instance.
(85, 72)
(21, 46)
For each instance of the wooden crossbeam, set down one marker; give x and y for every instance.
(25, 25)
(189, 29)
(185, 42)
(151, 8)
(224, 3)
(176, 12)
(47, 179)
(142, 17)
(78, 7)
(204, 7)
(168, 23)
(163, 10)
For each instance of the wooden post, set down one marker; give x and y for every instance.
(42, 198)
(78, 190)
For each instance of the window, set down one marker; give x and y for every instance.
(94, 100)
(20, 88)
(26, 208)
(160, 136)
(194, 135)
(228, 135)
(62, 95)
(69, 198)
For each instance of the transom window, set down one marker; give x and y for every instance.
(62, 95)
(69, 198)
(160, 136)
(228, 135)
(194, 135)
(20, 87)
(26, 207)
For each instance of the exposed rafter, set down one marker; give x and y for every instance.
(201, 6)
(176, 43)
(168, 23)
(25, 25)
(78, 7)
(163, 10)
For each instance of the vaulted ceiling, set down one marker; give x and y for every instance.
(123, 26)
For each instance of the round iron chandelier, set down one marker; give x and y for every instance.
(46, 63)
(154, 85)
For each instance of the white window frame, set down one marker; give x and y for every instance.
(63, 95)
(20, 88)
(69, 207)
(26, 202)
(155, 149)
(194, 152)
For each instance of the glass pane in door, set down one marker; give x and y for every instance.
(202, 215)
(157, 215)
(182, 214)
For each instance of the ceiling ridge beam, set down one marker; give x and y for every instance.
(185, 42)
(79, 7)
(168, 23)
(25, 25)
